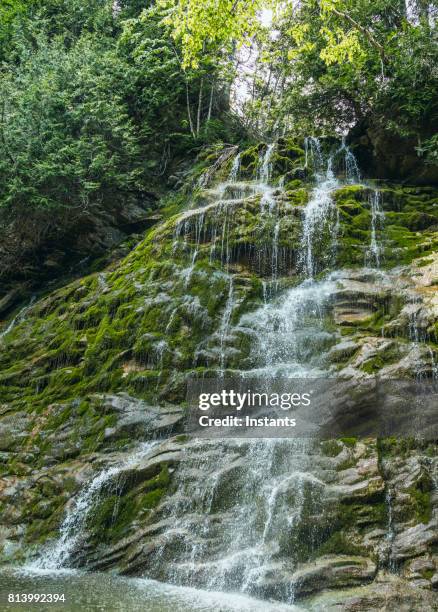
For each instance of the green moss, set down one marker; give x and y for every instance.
(422, 504)
(351, 192)
(408, 228)
(372, 511)
(421, 263)
(331, 448)
(114, 515)
(396, 446)
(345, 465)
(350, 442)
(249, 160)
(152, 499)
(182, 438)
(339, 544)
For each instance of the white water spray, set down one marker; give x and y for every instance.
(373, 257)
(19, 318)
(73, 526)
(235, 169)
(265, 165)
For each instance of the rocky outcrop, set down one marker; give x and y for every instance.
(69, 249)
(387, 592)
(48, 457)
(389, 155)
(333, 571)
(94, 369)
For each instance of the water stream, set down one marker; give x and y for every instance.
(19, 317)
(374, 254)
(220, 538)
(72, 528)
(242, 510)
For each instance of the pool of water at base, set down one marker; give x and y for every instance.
(102, 592)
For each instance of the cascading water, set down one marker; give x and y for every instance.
(235, 169)
(245, 508)
(418, 338)
(320, 218)
(313, 154)
(265, 165)
(275, 255)
(390, 535)
(374, 254)
(225, 324)
(349, 164)
(289, 332)
(321, 215)
(17, 319)
(220, 537)
(73, 527)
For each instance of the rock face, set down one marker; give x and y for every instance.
(391, 156)
(333, 571)
(95, 369)
(77, 245)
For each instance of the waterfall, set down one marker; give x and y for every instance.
(225, 323)
(313, 152)
(240, 514)
(210, 224)
(220, 540)
(186, 226)
(321, 217)
(351, 169)
(241, 510)
(289, 332)
(274, 265)
(265, 165)
(418, 338)
(217, 538)
(390, 535)
(324, 165)
(235, 169)
(434, 365)
(72, 529)
(374, 254)
(19, 317)
(264, 172)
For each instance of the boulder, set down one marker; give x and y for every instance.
(331, 572)
(415, 541)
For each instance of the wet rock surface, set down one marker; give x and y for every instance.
(96, 369)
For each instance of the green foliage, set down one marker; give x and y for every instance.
(331, 64)
(11, 12)
(430, 150)
(205, 25)
(362, 59)
(95, 111)
(68, 139)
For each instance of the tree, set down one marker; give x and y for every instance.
(95, 110)
(210, 26)
(331, 64)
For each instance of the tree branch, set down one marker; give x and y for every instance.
(375, 43)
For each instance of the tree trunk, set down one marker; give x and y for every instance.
(210, 106)
(198, 118)
(189, 113)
